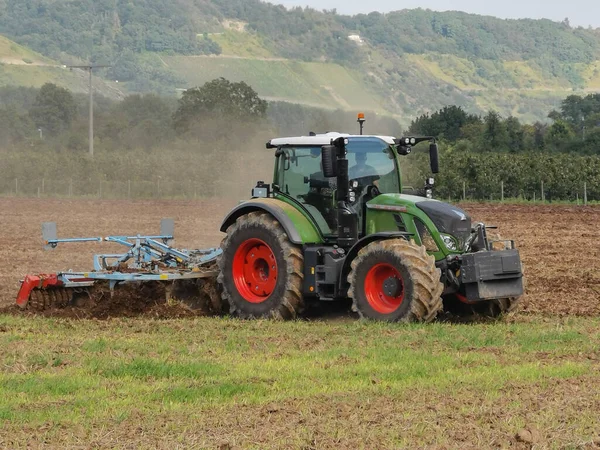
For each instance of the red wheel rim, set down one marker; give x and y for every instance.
(254, 270)
(374, 290)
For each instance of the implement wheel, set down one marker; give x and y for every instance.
(261, 271)
(395, 281)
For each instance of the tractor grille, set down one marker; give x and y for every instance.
(448, 219)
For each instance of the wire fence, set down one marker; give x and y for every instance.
(162, 188)
(159, 188)
(544, 192)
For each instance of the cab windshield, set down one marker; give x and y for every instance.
(300, 175)
(370, 161)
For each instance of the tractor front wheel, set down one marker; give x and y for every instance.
(395, 281)
(261, 271)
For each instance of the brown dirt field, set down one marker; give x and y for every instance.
(558, 243)
(560, 253)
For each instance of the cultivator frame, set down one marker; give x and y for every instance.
(148, 259)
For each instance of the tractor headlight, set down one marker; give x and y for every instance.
(428, 193)
(449, 242)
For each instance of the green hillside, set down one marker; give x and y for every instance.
(404, 63)
(311, 83)
(20, 66)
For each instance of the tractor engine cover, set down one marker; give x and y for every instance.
(492, 275)
(448, 219)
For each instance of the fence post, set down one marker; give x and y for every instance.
(128, 188)
(464, 191)
(533, 196)
(578, 199)
(38, 192)
(71, 187)
(43, 186)
(585, 193)
(16, 186)
(543, 195)
(502, 190)
(100, 190)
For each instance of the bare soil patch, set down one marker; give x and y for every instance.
(558, 243)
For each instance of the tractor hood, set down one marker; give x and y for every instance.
(448, 219)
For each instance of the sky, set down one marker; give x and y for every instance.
(579, 12)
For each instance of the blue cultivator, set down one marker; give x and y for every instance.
(188, 275)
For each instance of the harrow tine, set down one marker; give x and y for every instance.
(37, 300)
(34, 298)
(67, 296)
(41, 299)
(52, 297)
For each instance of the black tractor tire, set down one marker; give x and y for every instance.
(269, 286)
(415, 294)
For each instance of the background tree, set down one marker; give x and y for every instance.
(15, 126)
(54, 109)
(219, 99)
(515, 135)
(444, 124)
(494, 133)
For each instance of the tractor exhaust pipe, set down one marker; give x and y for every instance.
(335, 164)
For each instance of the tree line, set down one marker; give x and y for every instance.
(482, 152)
(227, 118)
(218, 114)
(574, 128)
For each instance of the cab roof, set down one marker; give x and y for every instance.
(324, 139)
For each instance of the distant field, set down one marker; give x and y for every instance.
(469, 74)
(36, 76)
(318, 84)
(517, 88)
(20, 66)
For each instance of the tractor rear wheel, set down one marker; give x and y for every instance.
(261, 271)
(395, 281)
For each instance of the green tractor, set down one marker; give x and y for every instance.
(335, 225)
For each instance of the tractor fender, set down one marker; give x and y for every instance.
(299, 228)
(362, 243)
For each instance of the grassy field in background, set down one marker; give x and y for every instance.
(332, 384)
(21, 66)
(318, 84)
(10, 50)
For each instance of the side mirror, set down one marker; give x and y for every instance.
(329, 161)
(434, 158)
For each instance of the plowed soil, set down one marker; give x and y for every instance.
(558, 244)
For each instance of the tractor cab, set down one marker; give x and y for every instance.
(373, 169)
(372, 162)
